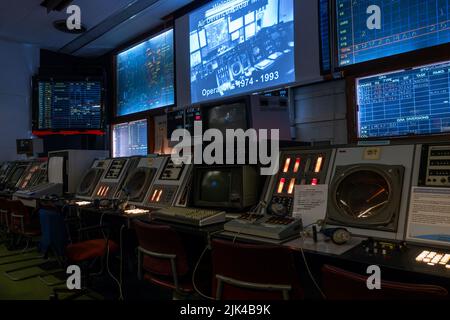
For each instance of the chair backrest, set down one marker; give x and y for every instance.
(17, 208)
(4, 212)
(263, 266)
(161, 239)
(339, 284)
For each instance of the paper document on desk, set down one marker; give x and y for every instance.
(310, 203)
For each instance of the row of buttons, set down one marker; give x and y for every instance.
(433, 258)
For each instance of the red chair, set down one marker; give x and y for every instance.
(340, 284)
(22, 221)
(4, 218)
(254, 272)
(162, 257)
(84, 254)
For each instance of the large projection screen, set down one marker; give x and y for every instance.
(306, 55)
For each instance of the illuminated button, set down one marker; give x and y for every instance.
(445, 259)
(281, 185)
(159, 196)
(314, 182)
(422, 256)
(431, 255)
(155, 193)
(319, 163)
(287, 164)
(430, 264)
(297, 165)
(291, 186)
(437, 258)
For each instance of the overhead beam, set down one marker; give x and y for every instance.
(107, 25)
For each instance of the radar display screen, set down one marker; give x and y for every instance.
(239, 46)
(373, 29)
(145, 75)
(405, 103)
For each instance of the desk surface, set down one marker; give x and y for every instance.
(354, 252)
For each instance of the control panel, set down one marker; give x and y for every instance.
(169, 185)
(435, 168)
(140, 180)
(264, 226)
(115, 169)
(110, 184)
(297, 167)
(91, 179)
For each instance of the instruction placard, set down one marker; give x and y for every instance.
(429, 215)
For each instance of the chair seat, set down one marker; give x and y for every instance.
(90, 249)
(32, 233)
(184, 283)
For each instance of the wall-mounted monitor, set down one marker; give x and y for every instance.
(371, 29)
(145, 75)
(403, 103)
(67, 105)
(324, 29)
(240, 46)
(129, 139)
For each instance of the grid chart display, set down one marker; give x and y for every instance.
(239, 46)
(69, 105)
(145, 75)
(130, 139)
(406, 25)
(408, 102)
(324, 16)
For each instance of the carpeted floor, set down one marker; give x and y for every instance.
(35, 289)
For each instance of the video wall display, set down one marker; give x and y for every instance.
(145, 75)
(240, 46)
(325, 48)
(130, 139)
(373, 29)
(66, 105)
(405, 103)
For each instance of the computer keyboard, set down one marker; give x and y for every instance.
(191, 216)
(264, 226)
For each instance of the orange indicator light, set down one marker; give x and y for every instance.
(281, 185)
(287, 164)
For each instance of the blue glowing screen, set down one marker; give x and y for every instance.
(324, 17)
(130, 139)
(145, 75)
(65, 105)
(408, 102)
(239, 46)
(373, 29)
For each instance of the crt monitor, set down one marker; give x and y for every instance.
(145, 75)
(129, 139)
(228, 187)
(240, 46)
(372, 29)
(68, 105)
(226, 116)
(24, 146)
(409, 102)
